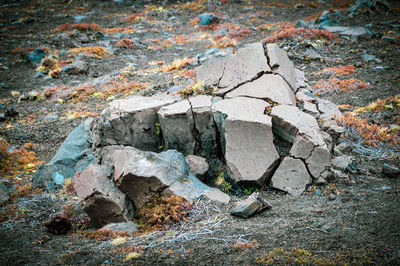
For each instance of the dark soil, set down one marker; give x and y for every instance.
(352, 220)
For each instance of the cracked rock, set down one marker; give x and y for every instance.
(291, 176)
(267, 87)
(131, 121)
(247, 64)
(319, 161)
(102, 200)
(211, 72)
(246, 138)
(177, 124)
(281, 64)
(250, 206)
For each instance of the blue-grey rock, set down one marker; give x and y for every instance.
(208, 19)
(250, 206)
(72, 157)
(7, 187)
(36, 56)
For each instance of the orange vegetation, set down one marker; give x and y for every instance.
(127, 29)
(301, 34)
(126, 43)
(134, 17)
(161, 212)
(380, 105)
(342, 70)
(333, 84)
(92, 51)
(84, 27)
(371, 133)
(176, 65)
(101, 235)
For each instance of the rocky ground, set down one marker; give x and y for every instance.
(143, 48)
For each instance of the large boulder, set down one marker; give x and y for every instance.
(291, 176)
(280, 63)
(131, 121)
(141, 175)
(73, 156)
(101, 199)
(268, 87)
(246, 139)
(177, 125)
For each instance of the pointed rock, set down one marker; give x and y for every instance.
(291, 176)
(102, 200)
(267, 87)
(281, 64)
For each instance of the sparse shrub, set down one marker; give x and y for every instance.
(300, 34)
(345, 85)
(162, 212)
(342, 70)
(176, 65)
(83, 27)
(92, 51)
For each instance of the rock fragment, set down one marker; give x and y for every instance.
(390, 171)
(250, 206)
(198, 165)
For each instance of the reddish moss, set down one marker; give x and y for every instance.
(83, 27)
(126, 43)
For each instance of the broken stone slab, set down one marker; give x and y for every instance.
(288, 121)
(204, 125)
(211, 72)
(217, 196)
(247, 64)
(301, 79)
(291, 176)
(102, 201)
(309, 108)
(357, 32)
(73, 156)
(341, 162)
(198, 165)
(268, 87)
(333, 129)
(304, 95)
(131, 121)
(280, 63)
(302, 147)
(319, 161)
(142, 175)
(129, 227)
(328, 109)
(246, 139)
(252, 205)
(177, 124)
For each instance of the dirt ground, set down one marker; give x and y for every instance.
(353, 220)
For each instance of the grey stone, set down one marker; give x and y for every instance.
(325, 177)
(328, 140)
(319, 161)
(247, 139)
(301, 79)
(76, 67)
(102, 200)
(131, 121)
(177, 124)
(211, 72)
(198, 165)
(291, 176)
(280, 63)
(247, 64)
(302, 147)
(357, 32)
(73, 156)
(333, 129)
(217, 196)
(204, 125)
(336, 29)
(250, 206)
(390, 171)
(303, 95)
(129, 227)
(328, 109)
(309, 108)
(142, 175)
(268, 87)
(6, 189)
(341, 162)
(343, 148)
(312, 54)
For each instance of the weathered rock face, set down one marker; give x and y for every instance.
(247, 139)
(177, 124)
(268, 87)
(291, 176)
(102, 200)
(211, 72)
(72, 157)
(131, 121)
(141, 175)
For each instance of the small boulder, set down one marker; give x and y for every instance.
(208, 19)
(291, 176)
(341, 162)
(319, 161)
(198, 165)
(129, 227)
(250, 206)
(76, 67)
(59, 224)
(6, 189)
